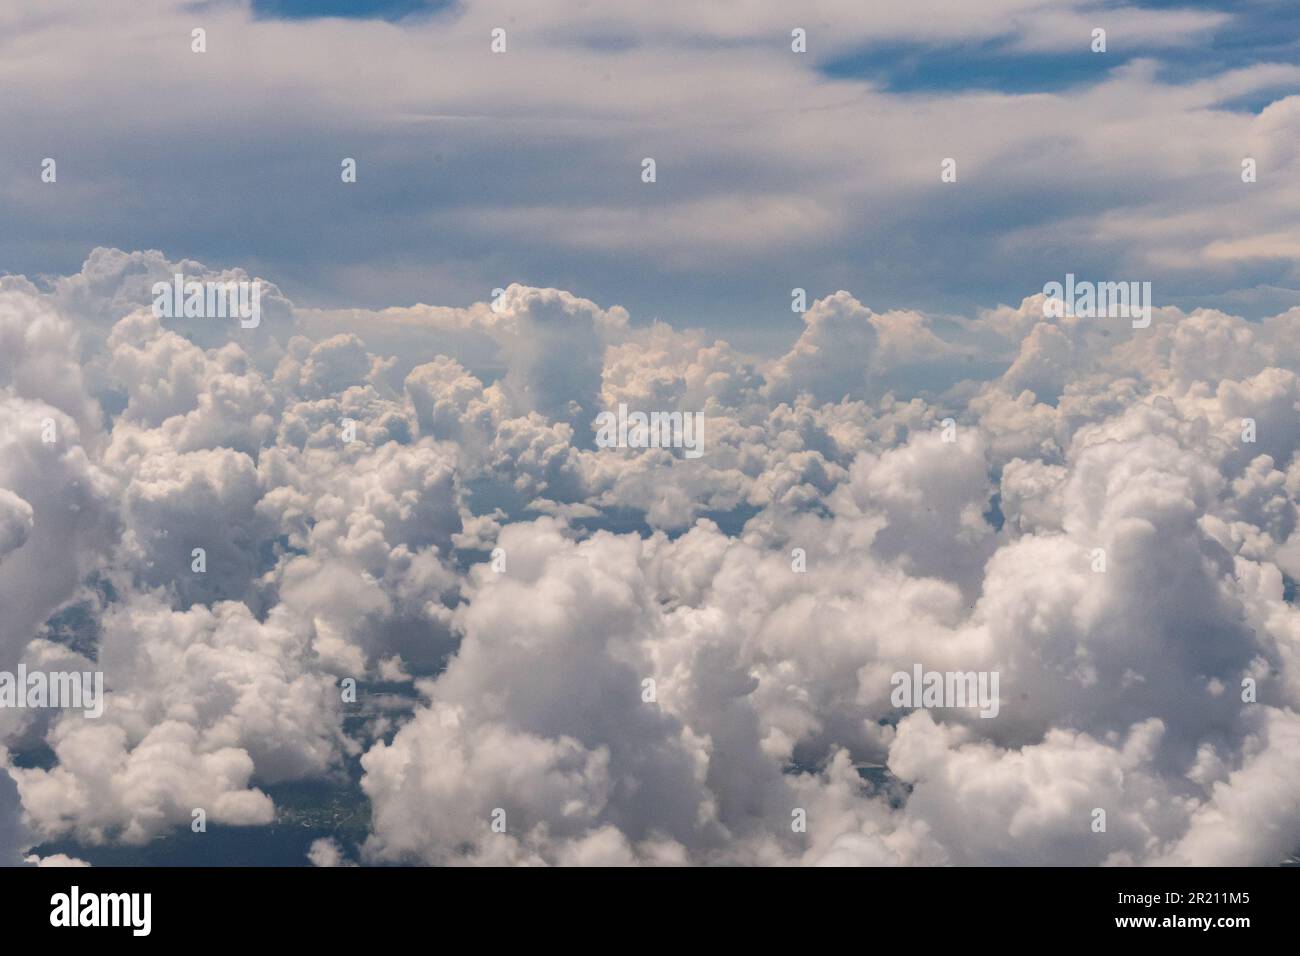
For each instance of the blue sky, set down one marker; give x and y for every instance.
(775, 169)
(353, 9)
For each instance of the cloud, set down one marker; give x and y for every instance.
(199, 701)
(326, 852)
(624, 656)
(781, 169)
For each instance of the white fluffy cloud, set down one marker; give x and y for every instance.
(199, 701)
(666, 660)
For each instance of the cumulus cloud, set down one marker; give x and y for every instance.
(326, 852)
(199, 701)
(533, 649)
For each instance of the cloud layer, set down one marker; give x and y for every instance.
(776, 169)
(616, 655)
